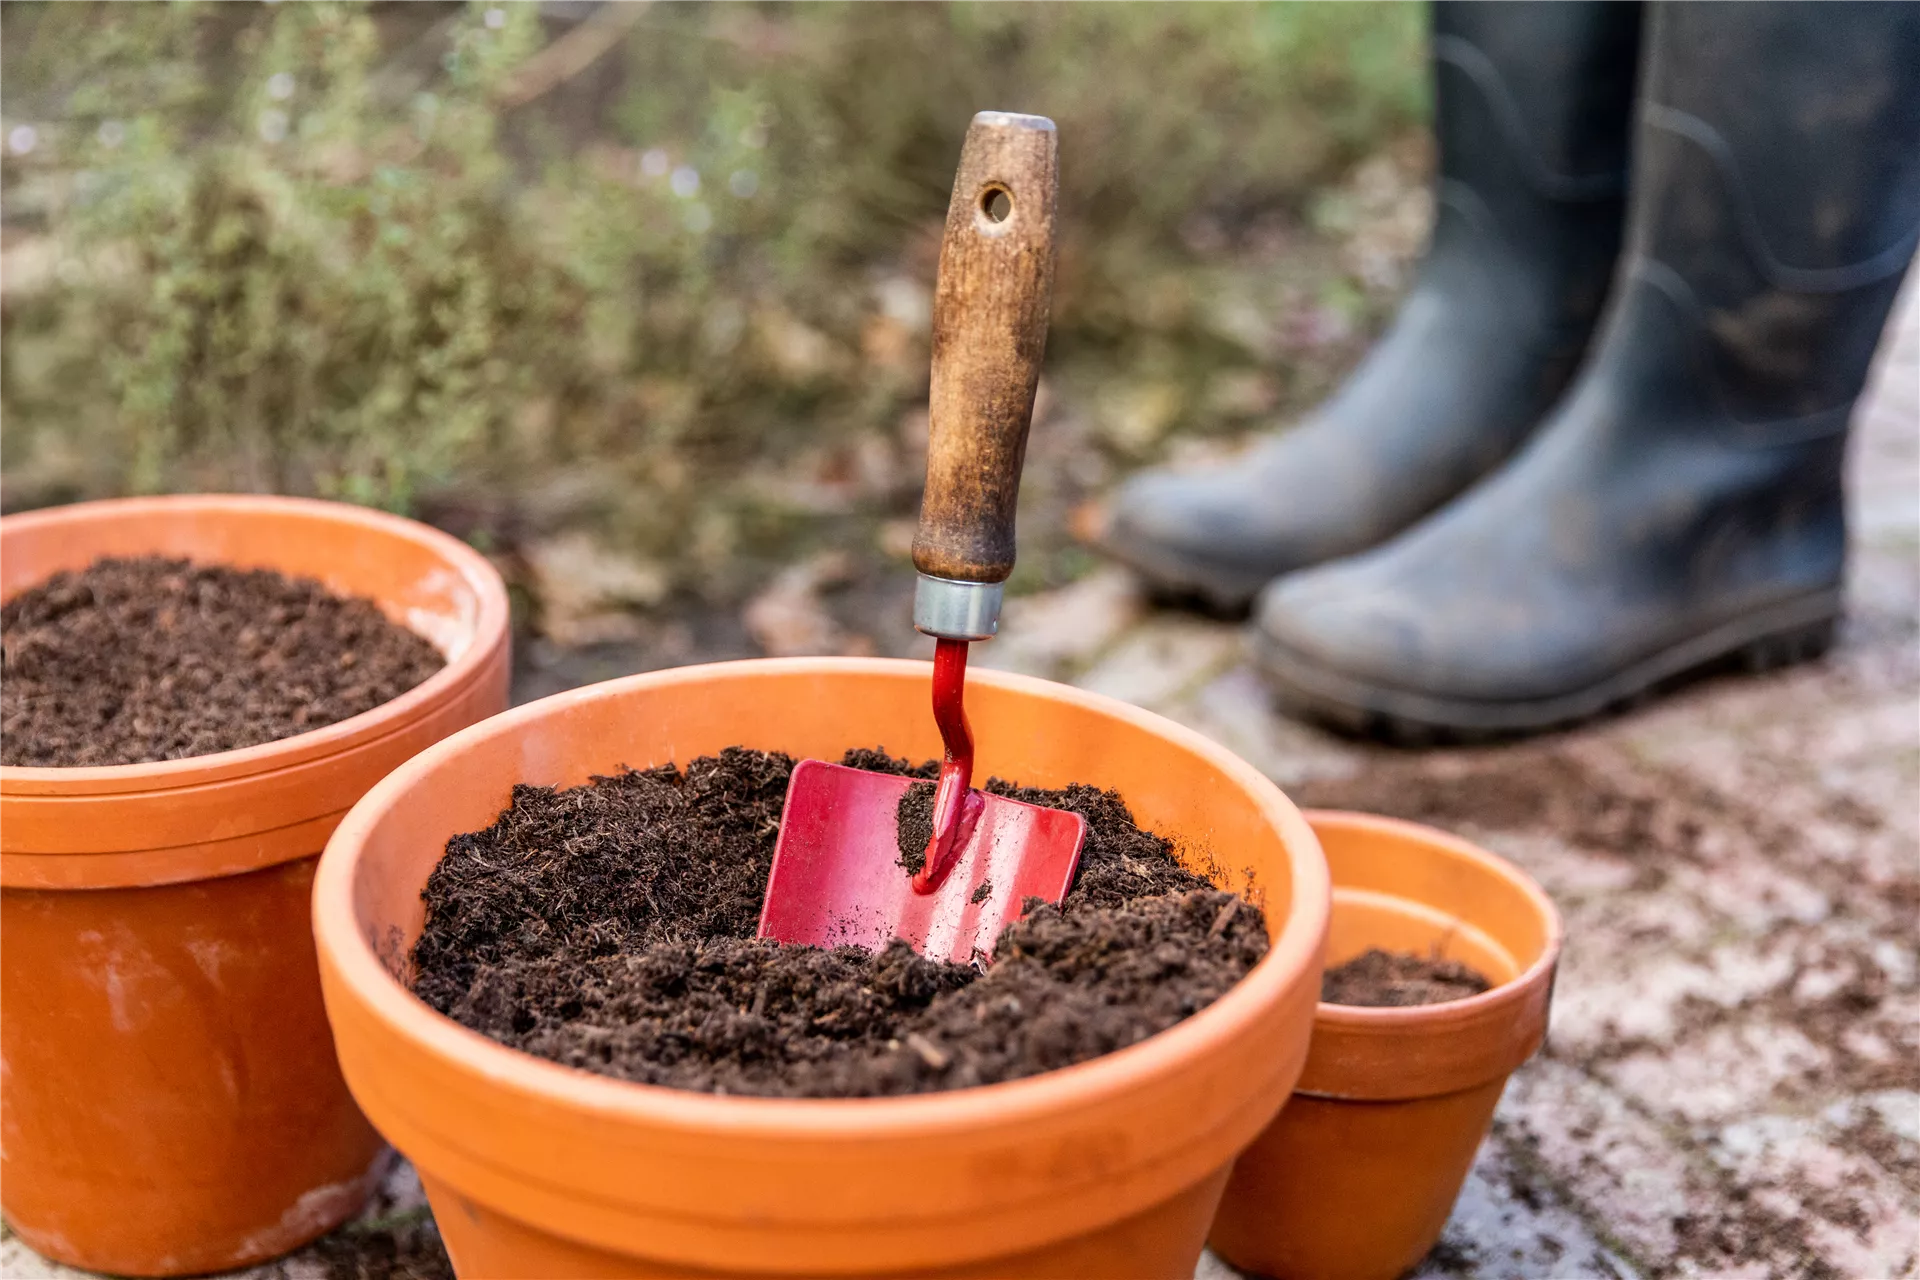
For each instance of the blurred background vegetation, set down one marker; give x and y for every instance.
(636, 296)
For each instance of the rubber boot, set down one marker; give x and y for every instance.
(1683, 506)
(1533, 111)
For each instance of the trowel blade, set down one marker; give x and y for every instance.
(837, 878)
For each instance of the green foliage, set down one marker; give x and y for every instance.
(310, 292)
(320, 247)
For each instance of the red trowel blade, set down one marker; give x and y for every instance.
(837, 878)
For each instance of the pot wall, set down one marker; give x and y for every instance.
(1356, 1177)
(1163, 1240)
(171, 1105)
(1108, 1168)
(171, 1100)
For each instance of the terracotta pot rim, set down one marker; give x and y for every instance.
(268, 757)
(1087, 1084)
(1489, 1003)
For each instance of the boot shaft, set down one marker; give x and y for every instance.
(1776, 197)
(1541, 86)
(1533, 112)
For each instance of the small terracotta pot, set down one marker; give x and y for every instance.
(1109, 1168)
(1356, 1177)
(171, 1100)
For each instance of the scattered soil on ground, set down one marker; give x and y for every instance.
(1396, 979)
(913, 826)
(1448, 1258)
(1528, 789)
(1659, 821)
(156, 659)
(610, 927)
(404, 1248)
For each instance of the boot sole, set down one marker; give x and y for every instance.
(1176, 582)
(1783, 634)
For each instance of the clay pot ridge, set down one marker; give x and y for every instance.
(1474, 1039)
(216, 529)
(176, 820)
(1111, 1166)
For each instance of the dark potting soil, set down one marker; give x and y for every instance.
(610, 927)
(1398, 979)
(150, 658)
(403, 1247)
(913, 827)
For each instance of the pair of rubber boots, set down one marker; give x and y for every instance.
(1570, 474)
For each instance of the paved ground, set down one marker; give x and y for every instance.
(1732, 1086)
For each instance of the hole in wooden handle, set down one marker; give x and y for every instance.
(996, 204)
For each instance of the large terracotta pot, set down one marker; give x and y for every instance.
(1355, 1179)
(170, 1102)
(1110, 1168)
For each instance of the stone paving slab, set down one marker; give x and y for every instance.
(1732, 1084)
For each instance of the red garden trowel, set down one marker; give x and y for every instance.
(837, 873)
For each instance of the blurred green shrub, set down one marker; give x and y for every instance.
(383, 252)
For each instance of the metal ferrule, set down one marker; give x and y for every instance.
(952, 610)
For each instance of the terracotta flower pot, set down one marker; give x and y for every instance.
(1355, 1179)
(1109, 1168)
(171, 1100)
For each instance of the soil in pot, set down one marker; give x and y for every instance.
(610, 927)
(149, 658)
(1399, 979)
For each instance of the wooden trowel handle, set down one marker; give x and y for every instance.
(989, 331)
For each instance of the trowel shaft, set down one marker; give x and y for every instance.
(956, 767)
